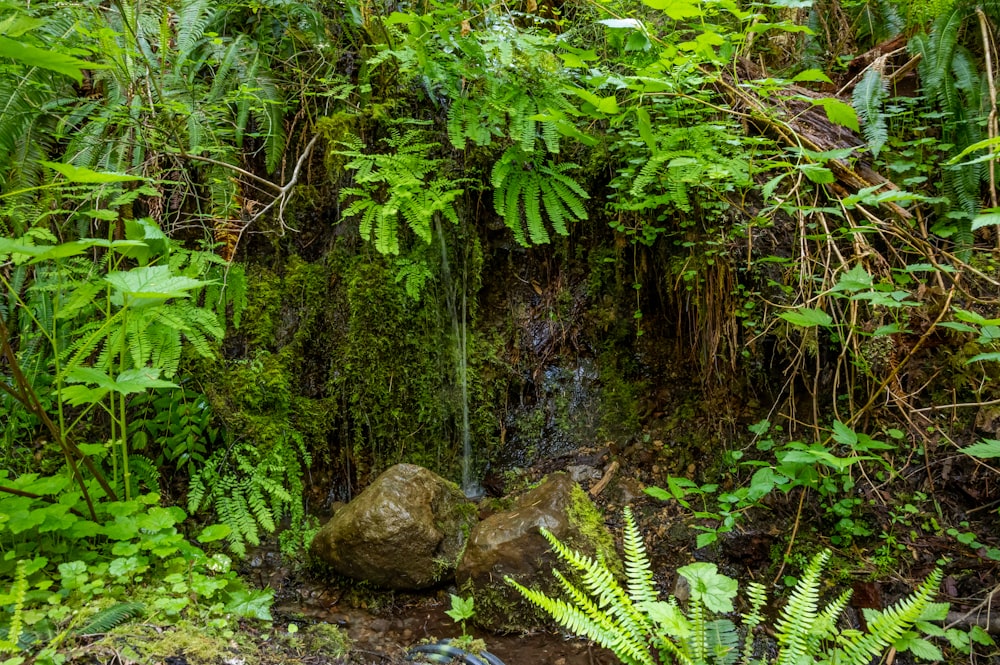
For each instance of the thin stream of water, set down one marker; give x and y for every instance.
(470, 486)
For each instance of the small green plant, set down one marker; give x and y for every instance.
(462, 609)
(69, 575)
(824, 467)
(642, 630)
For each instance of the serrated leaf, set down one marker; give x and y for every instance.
(985, 449)
(675, 9)
(921, 648)
(807, 317)
(716, 591)
(817, 174)
(251, 604)
(813, 76)
(987, 219)
(669, 617)
(839, 113)
(151, 284)
(855, 279)
(843, 434)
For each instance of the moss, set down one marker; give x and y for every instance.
(195, 643)
(587, 520)
(497, 601)
(321, 639)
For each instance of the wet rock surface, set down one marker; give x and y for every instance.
(406, 531)
(508, 543)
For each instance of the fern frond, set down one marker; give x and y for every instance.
(757, 595)
(867, 100)
(193, 17)
(578, 621)
(890, 624)
(18, 593)
(638, 574)
(111, 617)
(798, 616)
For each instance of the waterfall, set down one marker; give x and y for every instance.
(459, 328)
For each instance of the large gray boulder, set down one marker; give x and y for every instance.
(509, 543)
(407, 530)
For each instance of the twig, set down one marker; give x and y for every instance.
(962, 405)
(991, 123)
(985, 603)
(603, 482)
(232, 167)
(895, 370)
(285, 191)
(791, 541)
(32, 495)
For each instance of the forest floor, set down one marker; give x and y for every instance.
(381, 627)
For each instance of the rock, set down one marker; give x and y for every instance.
(407, 530)
(509, 543)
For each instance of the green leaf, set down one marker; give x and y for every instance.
(817, 174)
(812, 75)
(705, 539)
(807, 317)
(214, 532)
(987, 219)
(251, 604)
(49, 59)
(139, 380)
(669, 617)
(708, 586)
(920, 648)
(839, 113)
(461, 608)
(151, 283)
(762, 482)
(675, 9)
(985, 449)
(658, 493)
(855, 279)
(992, 356)
(890, 329)
(88, 176)
(980, 636)
(843, 434)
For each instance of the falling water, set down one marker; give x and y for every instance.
(470, 486)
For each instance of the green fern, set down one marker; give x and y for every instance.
(523, 185)
(404, 183)
(642, 630)
(251, 489)
(867, 99)
(111, 617)
(15, 624)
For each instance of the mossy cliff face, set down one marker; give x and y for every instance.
(343, 354)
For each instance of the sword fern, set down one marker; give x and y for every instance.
(642, 630)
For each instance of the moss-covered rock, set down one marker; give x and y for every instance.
(509, 543)
(407, 530)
